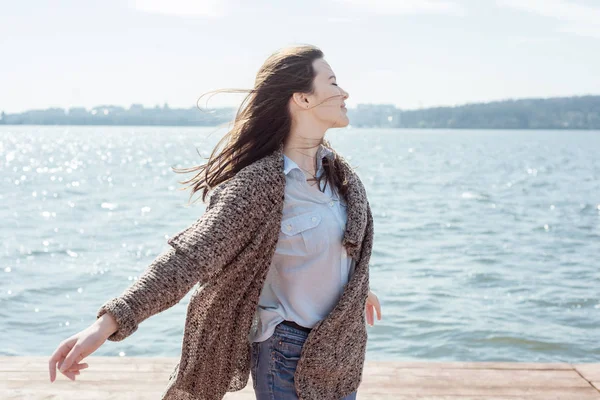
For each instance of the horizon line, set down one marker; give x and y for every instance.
(358, 104)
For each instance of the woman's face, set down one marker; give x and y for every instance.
(327, 103)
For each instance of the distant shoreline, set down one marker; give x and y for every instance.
(350, 127)
(559, 113)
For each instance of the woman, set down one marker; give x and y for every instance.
(281, 254)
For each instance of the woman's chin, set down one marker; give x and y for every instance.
(343, 122)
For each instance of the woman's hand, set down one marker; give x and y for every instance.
(372, 302)
(73, 350)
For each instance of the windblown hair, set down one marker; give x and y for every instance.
(263, 121)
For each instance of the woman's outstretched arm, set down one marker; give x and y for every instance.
(164, 283)
(235, 211)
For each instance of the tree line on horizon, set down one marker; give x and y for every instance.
(580, 112)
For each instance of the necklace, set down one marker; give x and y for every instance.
(312, 177)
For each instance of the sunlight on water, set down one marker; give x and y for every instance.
(486, 242)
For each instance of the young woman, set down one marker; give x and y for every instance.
(281, 254)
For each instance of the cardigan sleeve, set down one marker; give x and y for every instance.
(234, 213)
(164, 283)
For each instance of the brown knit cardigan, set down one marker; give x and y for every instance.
(228, 251)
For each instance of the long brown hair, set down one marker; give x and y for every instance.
(263, 121)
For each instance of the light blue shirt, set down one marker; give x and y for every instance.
(310, 266)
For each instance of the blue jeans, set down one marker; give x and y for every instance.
(273, 364)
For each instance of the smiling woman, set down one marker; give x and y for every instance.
(281, 254)
(295, 99)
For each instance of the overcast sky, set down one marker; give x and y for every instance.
(411, 53)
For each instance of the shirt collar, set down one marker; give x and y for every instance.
(290, 165)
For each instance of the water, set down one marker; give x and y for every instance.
(486, 242)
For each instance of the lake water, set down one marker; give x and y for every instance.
(487, 243)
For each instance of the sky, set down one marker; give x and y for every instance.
(410, 53)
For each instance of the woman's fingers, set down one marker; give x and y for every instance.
(378, 308)
(72, 371)
(373, 306)
(73, 358)
(72, 351)
(77, 367)
(71, 374)
(82, 366)
(58, 356)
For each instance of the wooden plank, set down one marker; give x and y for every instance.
(109, 395)
(146, 378)
(125, 364)
(468, 365)
(153, 363)
(419, 377)
(590, 372)
(480, 377)
(104, 395)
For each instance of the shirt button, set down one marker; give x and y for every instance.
(289, 227)
(313, 219)
(331, 203)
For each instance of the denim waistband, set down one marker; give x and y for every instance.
(291, 326)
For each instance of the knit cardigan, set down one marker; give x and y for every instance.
(228, 251)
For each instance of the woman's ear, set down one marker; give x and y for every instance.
(301, 100)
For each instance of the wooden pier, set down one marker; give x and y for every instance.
(146, 377)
